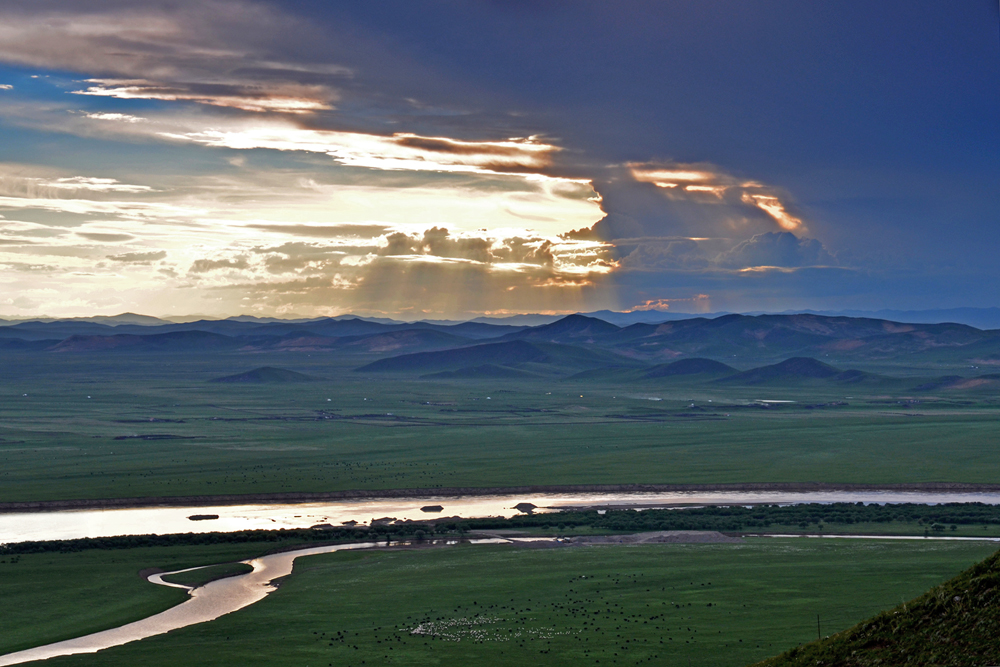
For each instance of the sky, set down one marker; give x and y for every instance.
(420, 159)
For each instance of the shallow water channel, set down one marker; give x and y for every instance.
(230, 594)
(206, 603)
(72, 524)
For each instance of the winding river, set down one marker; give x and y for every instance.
(224, 596)
(205, 603)
(227, 595)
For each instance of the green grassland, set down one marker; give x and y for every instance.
(129, 426)
(955, 624)
(49, 597)
(706, 604)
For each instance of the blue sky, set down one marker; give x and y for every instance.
(451, 159)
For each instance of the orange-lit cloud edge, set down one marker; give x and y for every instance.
(96, 243)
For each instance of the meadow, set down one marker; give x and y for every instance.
(97, 426)
(87, 426)
(54, 596)
(698, 604)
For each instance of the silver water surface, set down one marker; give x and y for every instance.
(206, 603)
(72, 524)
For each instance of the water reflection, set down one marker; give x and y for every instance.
(63, 525)
(206, 603)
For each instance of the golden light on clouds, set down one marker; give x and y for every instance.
(707, 184)
(667, 178)
(279, 180)
(773, 207)
(402, 151)
(285, 98)
(701, 302)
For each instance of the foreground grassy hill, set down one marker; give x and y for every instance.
(954, 624)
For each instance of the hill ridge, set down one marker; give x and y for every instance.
(266, 375)
(955, 623)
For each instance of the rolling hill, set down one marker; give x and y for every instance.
(484, 372)
(499, 354)
(773, 336)
(176, 341)
(796, 368)
(689, 367)
(739, 340)
(956, 623)
(266, 375)
(577, 329)
(547, 358)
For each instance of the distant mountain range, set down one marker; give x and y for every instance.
(732, 348)
(980, 318)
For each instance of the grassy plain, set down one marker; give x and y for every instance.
(49, 597)
(955, 624)
(721, 604)
(90, 426)
(93, 426)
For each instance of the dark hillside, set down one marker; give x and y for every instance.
(692, 366)
(723, 337)
(266, 374)
(406, 340)
(358, 327)
(478, 329)
(177, 341)
(801, 335)
(856, 377)
(737, 339)
(499, 354)
(570, 329)
(987, 382)
(56, 330)
(955, 624)
(484, 372)
(796, 368)
(544, 358)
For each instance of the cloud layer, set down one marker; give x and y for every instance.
(229, 156)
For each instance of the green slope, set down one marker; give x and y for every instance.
(956, 623)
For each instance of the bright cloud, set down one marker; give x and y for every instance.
(705, 183)
(285, 98)
(120, 117)
(773, 207)
(344, 196)
(402, 151)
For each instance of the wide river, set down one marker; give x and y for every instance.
(71, 524)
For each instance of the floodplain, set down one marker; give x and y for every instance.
(90, 427)
(707, 604)
(86, 426)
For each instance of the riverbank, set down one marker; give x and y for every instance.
(431, 493)
(509, 598)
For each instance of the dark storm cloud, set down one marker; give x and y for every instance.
(673, 255)
(194, 51)
(737, 149)
(776, 249)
